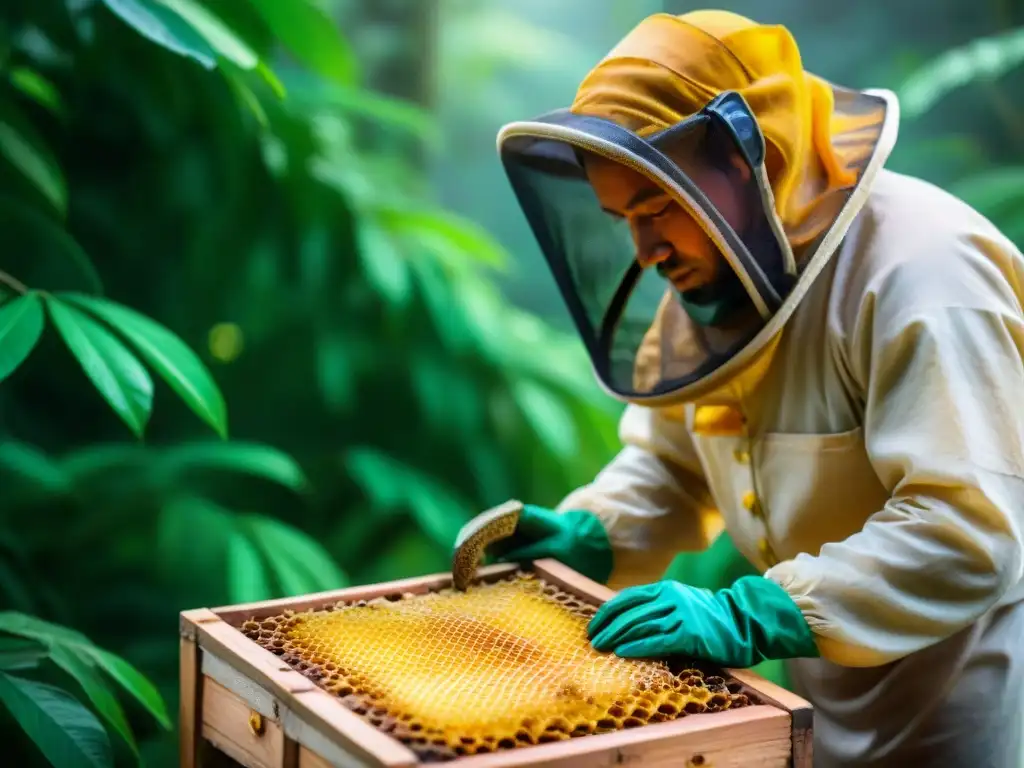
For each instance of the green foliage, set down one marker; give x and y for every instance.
(990, 176)
(986, 58)
(66, 731)
(200, 200)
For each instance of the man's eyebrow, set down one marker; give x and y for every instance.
(644, 195)
(639, 198)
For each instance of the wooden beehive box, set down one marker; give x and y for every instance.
(241, 704)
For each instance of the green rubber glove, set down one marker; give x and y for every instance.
(575, 538)
(750, 622)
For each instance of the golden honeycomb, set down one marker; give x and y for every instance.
(499, 666)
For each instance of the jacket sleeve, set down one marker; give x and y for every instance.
(652, 497)
(936, 352)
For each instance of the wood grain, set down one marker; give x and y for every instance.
(572, 582)
(801, 712)
(189, 699)
(752, 737)
(310, 759)
(226, 726)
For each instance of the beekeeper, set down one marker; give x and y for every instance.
(822, 357)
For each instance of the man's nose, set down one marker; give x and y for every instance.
(651, 248)
(650, 254)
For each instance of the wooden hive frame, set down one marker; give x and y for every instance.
(241, 702)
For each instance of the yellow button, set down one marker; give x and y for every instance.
(742, 456)
(751, 503)
(766, 552)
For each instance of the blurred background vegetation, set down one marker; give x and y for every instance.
(271, 322)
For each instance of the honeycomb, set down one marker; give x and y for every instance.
(499, 666)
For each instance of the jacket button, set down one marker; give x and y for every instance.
(751, 503)
(741, 455)
(765, 549)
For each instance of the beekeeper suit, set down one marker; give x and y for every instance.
(817, 354)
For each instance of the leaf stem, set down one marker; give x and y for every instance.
(13, 282)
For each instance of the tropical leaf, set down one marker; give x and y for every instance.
(383, 264)
(115, 372)
(25, 150)
(81, 668)
(133, 682)
(982, 58)
(455, 240)
(308, 92)
(54, 636)
(312, 36)
(37, 88)
(20, 653)
(67, 733)
(25, 470)
(21, 325)
(247, 573)
(391, 484)
(549, 417)
(41, 253)
(224, 40)
(249, 458)
(299, 563)
(994, 190)
(158, 23)
(178, 365)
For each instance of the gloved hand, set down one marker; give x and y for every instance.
(575, 538)
(752, 621)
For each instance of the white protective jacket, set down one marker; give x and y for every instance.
(877, 473)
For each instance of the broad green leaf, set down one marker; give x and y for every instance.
(380, 476)
(993, 190)
(454, 239)
(36, 87)
(446, 312)
(20, 653)
(133, 682)
(116, 372)
(21, 325)
(247, 575)
(299, 563)
(45, 632)
(67, 733)
(106, 461)
(27, 152)
(42, 254)
(29, 470)
(193, 566)
(246, 98)
(250, 458)
(383, 264)
(179, 366)
(81, 668)
(151, 19)
(439, 514)
(312, 36)
(982, 58)
(56, 636)
(213, 29)
(308, 91)
(549, 417)
(404, 554)
(390, 484)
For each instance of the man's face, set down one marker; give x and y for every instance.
(666, 235)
